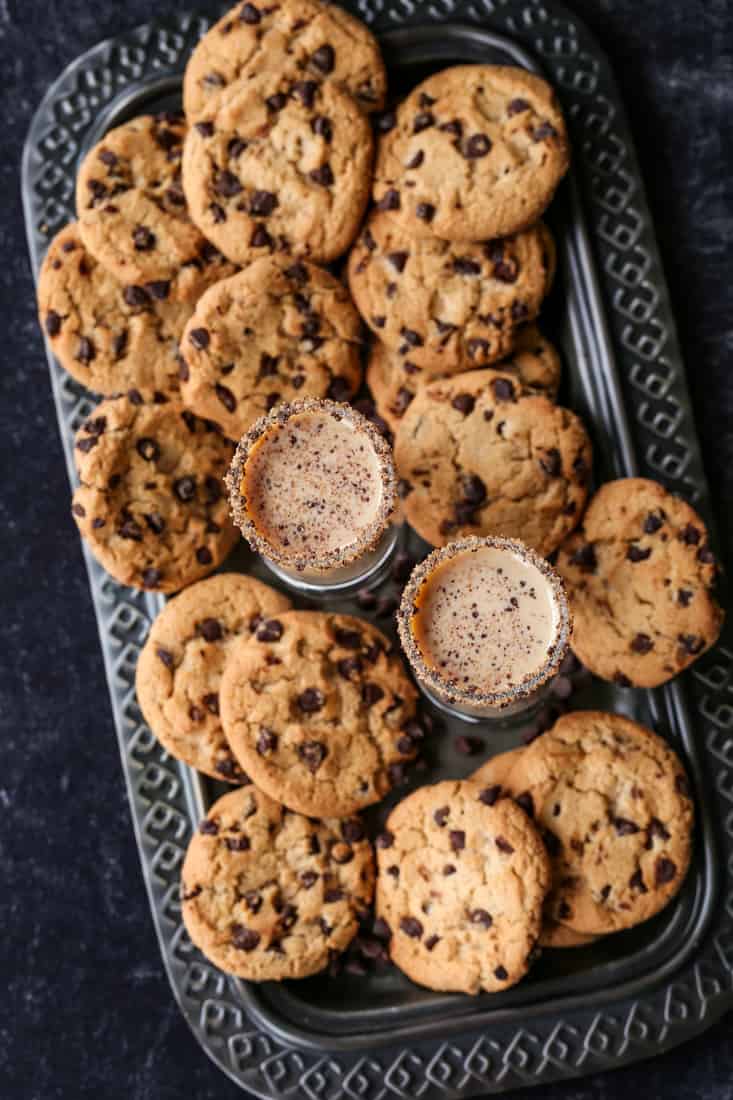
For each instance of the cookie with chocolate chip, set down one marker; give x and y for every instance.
(319, 711)
(612, 802)
(461, 882)
(132, 212)
(640, 575)
(180, 666)
(151, 504)
(312, 40)
(114, 338)
(269, 894)
(279, 330)
(447, 306)
(280, 166)
(393, 380)
(475, 457)
(474, 152)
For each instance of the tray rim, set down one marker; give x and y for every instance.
(722, 1001)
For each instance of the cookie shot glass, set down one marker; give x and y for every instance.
(485, 624)
(313, 489)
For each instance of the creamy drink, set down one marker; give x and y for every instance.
(312, 487)
(485, 625)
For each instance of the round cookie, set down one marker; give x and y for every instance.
(534, 364)
(180, 666)
(491, 776)
(460, 885)
(475, 152)
(444, 306)
(279, 330)
(612, 802)
(281, 166)
(269, 894)
(114, 338)
(475, 459)
(130, 203)
(640, 576)
(318, 41)
(319, 711)
(151, 503)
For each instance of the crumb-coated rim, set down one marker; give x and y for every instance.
(446, 689)
(372, 532)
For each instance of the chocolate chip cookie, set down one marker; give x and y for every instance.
(281, 166)
(474, 152)
(613, 805)
(394, 380)
(319, 711)
(461, 882)
(278, 330)
(180, 667)
(114, 338)
(314, 41)
(492, 777)
(640, 576)
(151, 502)
(132, 211)
(447, 306)
(269, 894)
(475, 458)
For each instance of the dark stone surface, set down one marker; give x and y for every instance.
(85, 1009)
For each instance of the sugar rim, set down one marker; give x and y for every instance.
(444, 688)
(370, 534)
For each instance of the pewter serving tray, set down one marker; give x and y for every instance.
(628, 996)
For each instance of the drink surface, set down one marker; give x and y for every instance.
(485, 619)
(313, 485)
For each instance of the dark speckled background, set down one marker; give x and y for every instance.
(85, 1009)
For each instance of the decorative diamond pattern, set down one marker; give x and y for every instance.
(652, 377)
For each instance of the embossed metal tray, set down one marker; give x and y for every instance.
(630, 995)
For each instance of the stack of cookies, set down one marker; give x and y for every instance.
(191, 295)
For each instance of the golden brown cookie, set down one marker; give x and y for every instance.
(151, 502)
(130, 204)
(474, 458)
(613, 805)
(394, 380)
(461, 883)
(447, 306)
(316, 41)
(319, 711)
(114, 338)
(279, 330)
(279, 166)
(269, 894)
(180, 666)
(475, 152)
(640, 576)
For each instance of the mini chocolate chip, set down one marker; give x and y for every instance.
(504, 390)
(266, 742)
(271, 630)
(262, 203)
(276, 102)
(544, 130)
(457, 839)
(390, 200)
(165, 656)
(478, 145)
(218, 213)
(211, 702)
(199, 337)
(210, 630)
(431, 941)
(244, 939)
(305, 91)
(425, 211)
(324, 58)
(516, 106)
(416, 160)
(638, 553)
(204, 556)
(208, 827)
(463, 403)
(86, 351)
(423, 121)
(238, 843)
(706, 556)
(385, 839)
(585, 558)
(482, 917)
(253, 900)
(691, 644)
(288, 917)
(333, 894)
(235, 147)
(250, 14)
(652, 523)
(636, 882)
(185, 488)
(155, 522)
(322, 127)
(143, 239)
(464, 265)
(225, 183)
(624, 827)
(53, 323)
(526, 802)
(441, 816)
(690, 535)
(312, 753)
(311, 700)
(225, 395)
(551, 462)
(477, 347)
(348, 667)
(352, 830)
(308, 879)
(371, 693)
(206, 129)
(500, 973)
(641, 643)
(412, 927)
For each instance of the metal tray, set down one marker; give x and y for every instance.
(635, 993)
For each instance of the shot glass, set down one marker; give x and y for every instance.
(485, 624)
(313, 488)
